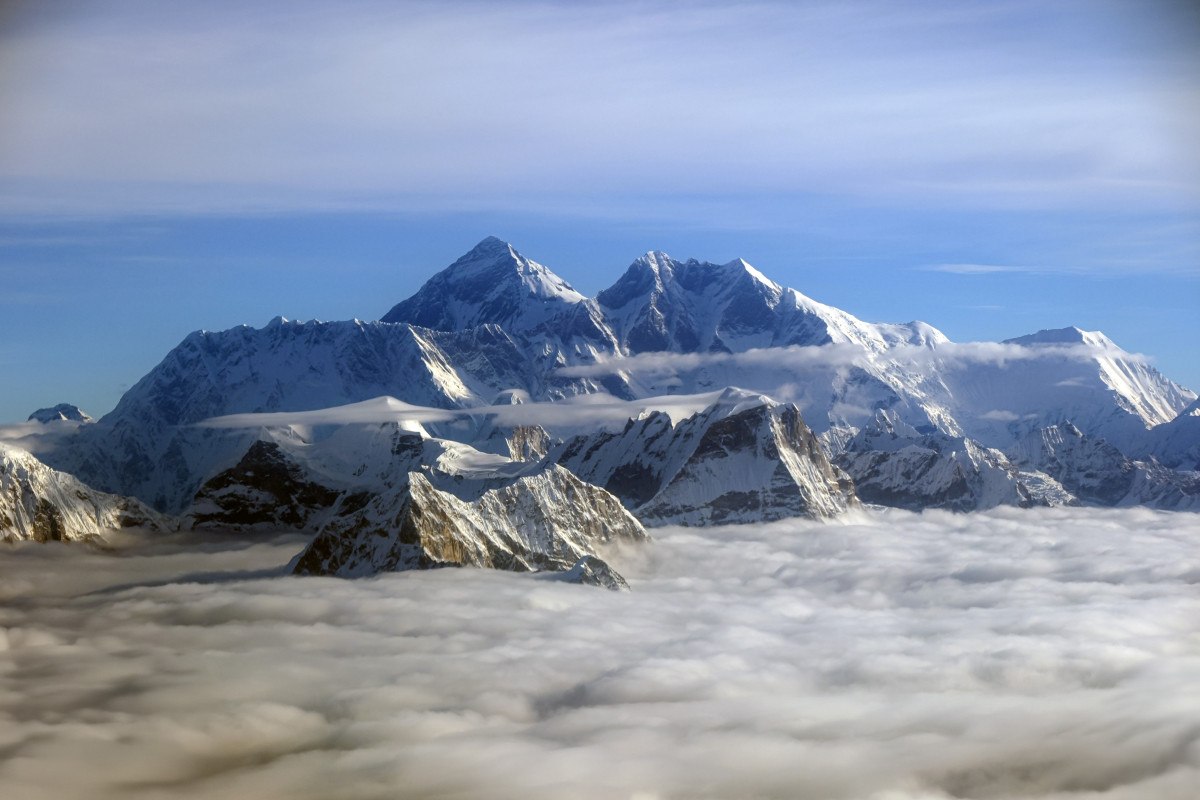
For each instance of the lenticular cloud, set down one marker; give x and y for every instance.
(1012, 654)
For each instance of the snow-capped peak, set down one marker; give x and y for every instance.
(742, 265)
(734, 401)
(493, 244)
(499, 260)
(43, 504)
(61, 412)
(656, 261)
(491, 284)
(1069, 335)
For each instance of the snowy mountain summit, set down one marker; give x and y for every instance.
(41, 504)
(493, 284)
(63, 412)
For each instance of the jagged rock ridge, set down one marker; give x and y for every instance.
(511, 324)
(40, 504)
(381, 498)
(745, 458)
(893, 464)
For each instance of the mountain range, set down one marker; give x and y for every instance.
(685, 393)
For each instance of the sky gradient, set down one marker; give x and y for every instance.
(992, 169)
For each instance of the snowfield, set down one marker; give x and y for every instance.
(1050, 653)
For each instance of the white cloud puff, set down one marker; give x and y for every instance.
(1012, 654)
(574, 412)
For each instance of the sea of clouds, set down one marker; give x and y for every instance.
(1008, 654)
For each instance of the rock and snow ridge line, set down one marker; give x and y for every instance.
(745, 458)
(148, 446)
(736, 455)
(710, 311)
(386, 497)
(41, 504)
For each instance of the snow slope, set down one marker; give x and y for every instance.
(148, 446)
(40, 504)
(744, 458)
(1177, 443)
(386, 497)
(492, 284)
(893, 464)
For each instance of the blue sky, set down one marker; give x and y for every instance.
(991, 168)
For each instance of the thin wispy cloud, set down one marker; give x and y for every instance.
(1076, 269)
(583, 410)
(985, 269)
(302, 106)
(603, 409)
(37, 437)
(833, 356)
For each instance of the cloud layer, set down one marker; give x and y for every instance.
(1014, 654)
(800, 358)
(578, 411)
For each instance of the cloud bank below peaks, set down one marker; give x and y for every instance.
(1011, 655)
(594, 409)
(800, 358)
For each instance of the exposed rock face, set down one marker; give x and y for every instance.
(592, 571)
(1098, 474)
(60, 412)
(528, 443)
(892, 464)
(547, 520)
(743, 459)
(1159, 487)
(1176, 444)
(42, 505)
(266, 488)
(518, 442)
(383, 497)
(1091, 469)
